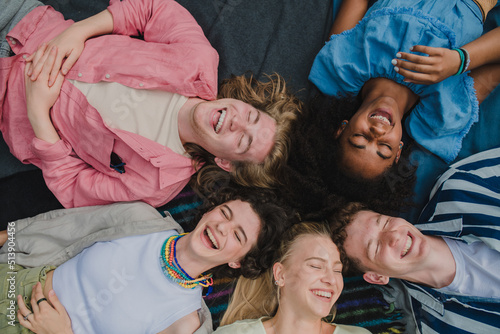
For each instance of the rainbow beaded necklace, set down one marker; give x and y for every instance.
(174, 271)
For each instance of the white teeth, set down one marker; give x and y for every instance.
(221, 120)
(382, 118)
(323, 293)
(212, 239)
(409, 241)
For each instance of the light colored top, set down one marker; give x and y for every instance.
(76, 168)
(446, 110)
(108, 287)
(255, 326)
(56, 236)
(477, 270)
(149, 113)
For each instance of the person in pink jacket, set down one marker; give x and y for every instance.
(134, 119)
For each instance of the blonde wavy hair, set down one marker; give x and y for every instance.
(271, 97)
(255, 298)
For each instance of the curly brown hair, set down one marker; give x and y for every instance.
(275, 217)
(271, 97)
(338, 223)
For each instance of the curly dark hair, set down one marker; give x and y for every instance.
(338, 223)
(275, 218)
(315, 183)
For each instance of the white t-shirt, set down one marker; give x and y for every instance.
(118, 287)
(150, 113)
(477, 269)
(255, 326)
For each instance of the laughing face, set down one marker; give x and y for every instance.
(311, 276)
(370, 141)
(385, 246)
(225, 234)
(233, 130)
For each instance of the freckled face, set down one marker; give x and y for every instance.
(370, 140)
(311, 276)
(233, 130)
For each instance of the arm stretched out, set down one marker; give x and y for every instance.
(441, 63)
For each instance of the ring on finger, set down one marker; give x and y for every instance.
(41, 300)
(27, 315)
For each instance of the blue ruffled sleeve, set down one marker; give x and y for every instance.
(446, 110)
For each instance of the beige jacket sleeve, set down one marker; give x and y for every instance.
(54, 237)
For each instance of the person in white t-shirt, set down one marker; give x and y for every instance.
(152, 283)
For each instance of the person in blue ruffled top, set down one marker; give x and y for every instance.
(423, 60)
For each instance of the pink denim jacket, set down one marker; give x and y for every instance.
(174, 56)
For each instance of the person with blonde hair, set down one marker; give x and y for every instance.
(297, 293)
(110, 118)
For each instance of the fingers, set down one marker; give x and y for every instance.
(28, 69)
(61, 65)
(22, 312)
(44, 72)
(36, 294)
(25, 323)
(430, 66)
(56, 303)
(70, 61)
(426, 67)
(417, 59)
(47, 61)
(37, 58)
(57, 84)
(49, 65)
(413, 77)
(22, 306)
(430, 50)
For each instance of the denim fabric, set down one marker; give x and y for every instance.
(446, 110)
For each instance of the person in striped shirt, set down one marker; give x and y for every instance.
(449, 261)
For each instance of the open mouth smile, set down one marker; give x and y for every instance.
(219, 117)
(210, 236)
(382, 116)
(409, 243)
(327, 295)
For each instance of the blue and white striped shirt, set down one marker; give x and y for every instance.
(464, 205)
